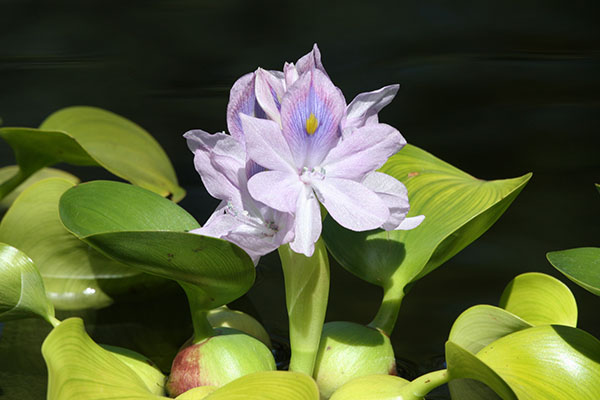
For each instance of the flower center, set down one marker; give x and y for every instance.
(307, 176)
(267, 228)
(312, 123)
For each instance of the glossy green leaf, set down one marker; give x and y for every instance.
(143, 367)
(142, 229)
(481, 325)
(550, 362)
(463, 365)
(92, 136)
(581, 265)
(270, 385)
(540, 299)
(458, 208)
(78, 368)
(198, 393)
(371, 387)
(76, 276)
(7, 172)
(474, 329)
(22, 292)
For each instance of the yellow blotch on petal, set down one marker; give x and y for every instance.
(311, 124)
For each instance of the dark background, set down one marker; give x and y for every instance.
(497, 88)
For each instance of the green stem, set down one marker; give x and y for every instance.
(53, 321)
(197, 300)
(388, 311)
(12, 183)
(306, 294)
(424, 384)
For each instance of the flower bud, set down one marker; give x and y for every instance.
(218, 360)
(347, 351)
(224, 317)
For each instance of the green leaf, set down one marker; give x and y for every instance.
(547, 362)
(481, 325)
(7, 172)
(371, 387)
(22, 292)
(75, 275)
(540, 299)
(143, 367)
(269, 385)
(474, 329)
(198, 393)
(142, 229)
(92, 136)
(462, 364)
(224, 317)
(458, 208)
(78, 368)
(581, 265)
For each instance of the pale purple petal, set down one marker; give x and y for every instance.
(276, 189)
(219, 159)
(310, 61)
(218, 225)
(362, 152)
(242, 100)
(410, 223)
(351, 204)
(394, 195)
(291, 74)
(364, 108)
(266, 145)
(308, 223)
(269, 91)
(312, 98)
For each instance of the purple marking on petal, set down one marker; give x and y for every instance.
(314, 94)
(242, 100)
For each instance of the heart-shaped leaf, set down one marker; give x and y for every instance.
(547, 362)
(464, 366)
(22, 292)
(540, 299)
(458, 208)
(142, 229)
(92, 136)
(481, 325)
(269, 385)
(581, 265)
(371, 387)
(78, 369)
(7, 172)
(541, 362)
(76, 276)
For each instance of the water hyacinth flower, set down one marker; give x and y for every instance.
(299, 145)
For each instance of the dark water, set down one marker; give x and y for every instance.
(497, 88)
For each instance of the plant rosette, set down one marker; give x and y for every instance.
(218, 360)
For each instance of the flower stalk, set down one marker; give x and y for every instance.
(306, 293)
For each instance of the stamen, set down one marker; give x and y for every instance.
(312, 123)
(267, 228)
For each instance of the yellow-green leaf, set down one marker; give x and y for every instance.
(371, 387)
(22, 292)
(80, 369)
(550, 362)
(227, 318)
(270, 385)
(540, 299)
(481, 325)
(9, 171)
(75, 275)
(95, 137)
